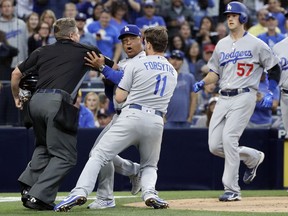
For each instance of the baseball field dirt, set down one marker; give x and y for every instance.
(247, 204)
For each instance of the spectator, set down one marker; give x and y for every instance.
(192, 56)
(118, 15)
(262, 117)
(7, 52)
(206, 34)
(91, 101)
(221, 30)
(260, 27)
(97, 10)
(177, 43)
(32, 23)
(199, 10)
(271, 37)
(40, 38)
(86, 7)
(185, 32)
(106, 36)
(274, 7)
(204, 97)
(204, 120)
(39, 6)
(86, 118)
(134, 9)
(149, 19)
(24, 8)
(103, 101)
(49, 17)
(176, 16)
(103, 118)
(201, 68)
(183, 103)
(70, 10)
(15, 29)
(85, 37)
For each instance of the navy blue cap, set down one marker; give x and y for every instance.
(81, 16)
(177, 54)
(270, 16)
(149, 3)
(129, 30)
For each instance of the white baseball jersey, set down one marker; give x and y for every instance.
(280, 49)
(240, 63)
(122, 65)
(160, 80)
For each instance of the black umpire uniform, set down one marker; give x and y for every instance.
(61, 69)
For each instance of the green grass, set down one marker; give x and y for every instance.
(16, 208)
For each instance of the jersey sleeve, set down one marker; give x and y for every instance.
(127, 79)
(213, 63)
(29, 65)
(267, 57)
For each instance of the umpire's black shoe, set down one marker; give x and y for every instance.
(24, 194)
(34, 203)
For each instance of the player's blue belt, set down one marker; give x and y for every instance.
(148, 110)
(284, 91)
(233, 92)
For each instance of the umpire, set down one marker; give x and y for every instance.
(61, 69)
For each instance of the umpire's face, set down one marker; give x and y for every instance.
(132, 45)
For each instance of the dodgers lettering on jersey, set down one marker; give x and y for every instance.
(240, 63)
(159, 66)
(234, 56)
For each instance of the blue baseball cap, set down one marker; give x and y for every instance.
(178, 54)
(270, 16)
(81, 17)
(129, 30)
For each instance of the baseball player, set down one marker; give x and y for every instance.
(237, 64)
(131, 39)
(281, 51)
(146, 87)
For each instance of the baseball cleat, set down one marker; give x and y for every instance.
(250, 173)
(156, 203)
(136, 183)
(69, 202)
(102, 204)
(229, 196)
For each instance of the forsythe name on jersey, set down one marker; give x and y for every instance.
(234, 56)
(159, 66)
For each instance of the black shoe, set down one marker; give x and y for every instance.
(34, 203)
(24, 194)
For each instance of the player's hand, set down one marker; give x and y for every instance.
(198, 86)
(94, 60)
(267, 100)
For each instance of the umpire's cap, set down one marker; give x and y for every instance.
(29, 82)
(129, 30)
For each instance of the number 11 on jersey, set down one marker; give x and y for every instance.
(160, 84)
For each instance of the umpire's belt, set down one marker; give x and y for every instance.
(233, 92)
(284, 91)
(146, 109)
(66, 96)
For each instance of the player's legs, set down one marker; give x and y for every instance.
(284, 110)
(125, 167)
(240, 110)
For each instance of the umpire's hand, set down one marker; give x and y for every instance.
(93, 60)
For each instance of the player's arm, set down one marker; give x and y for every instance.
(15, 80)
(274, 77)
(120, 95)
(211, 77)
(99, 62)
(193, 106)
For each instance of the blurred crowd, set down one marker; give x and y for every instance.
(194, 28)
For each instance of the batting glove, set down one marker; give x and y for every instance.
(267, 100)
(198, 86)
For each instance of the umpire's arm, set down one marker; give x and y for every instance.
(15, 80)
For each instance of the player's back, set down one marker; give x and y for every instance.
(282, 53)
(153, 82)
